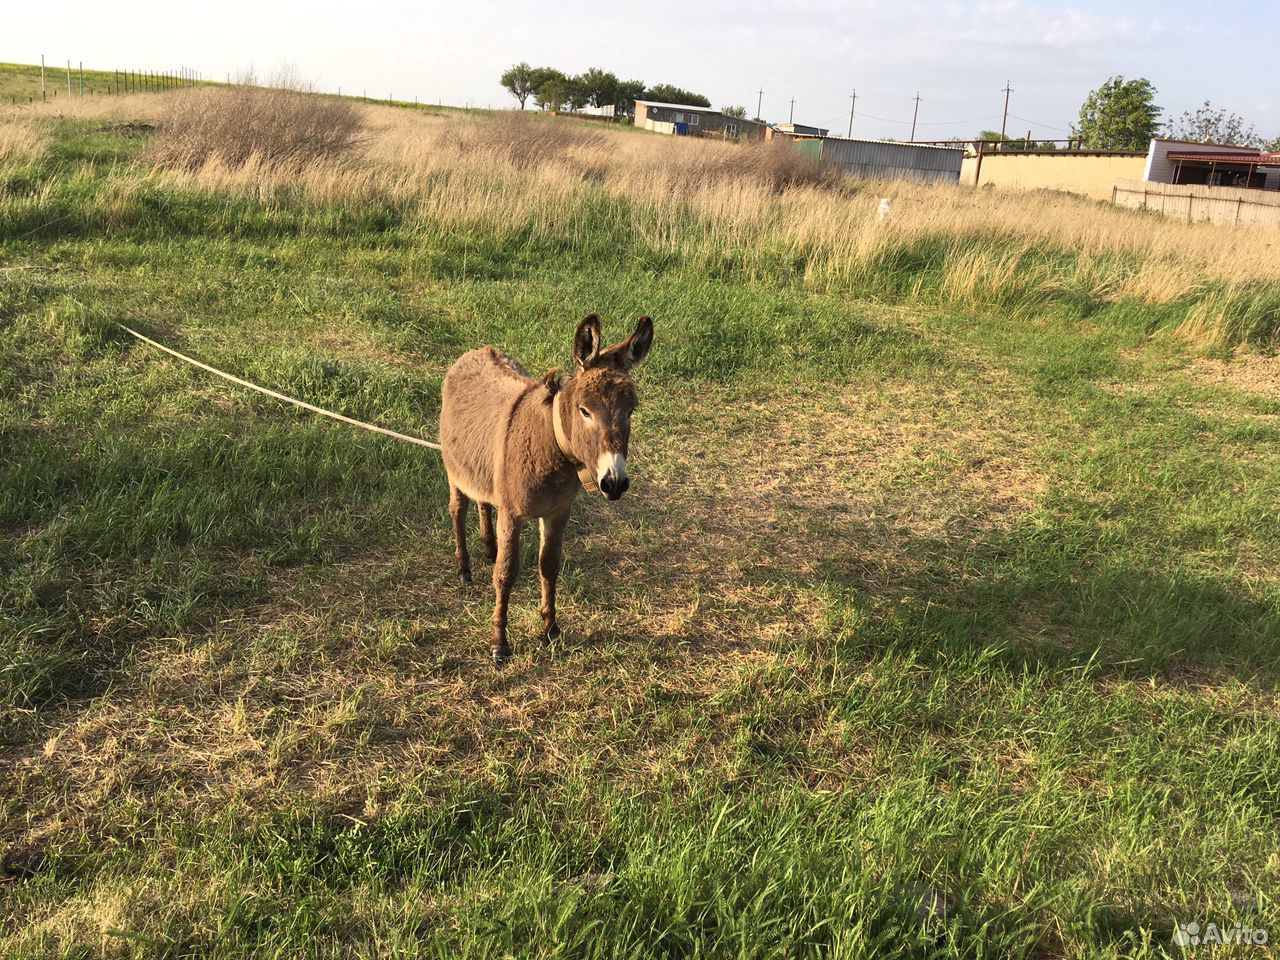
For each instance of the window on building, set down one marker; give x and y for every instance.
(679, 117)
(693, 119)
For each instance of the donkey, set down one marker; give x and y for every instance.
(524, 446)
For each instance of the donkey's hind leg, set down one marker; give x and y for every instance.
(487, 538)
(458, 511)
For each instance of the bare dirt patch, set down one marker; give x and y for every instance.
(1246, 370)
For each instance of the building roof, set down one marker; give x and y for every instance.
(1238, 147)
(678, 106)
(959, 147)
(1252, 157)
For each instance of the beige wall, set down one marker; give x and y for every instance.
(1092, 175)
(1196, 204)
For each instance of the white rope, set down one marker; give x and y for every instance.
(280, 396)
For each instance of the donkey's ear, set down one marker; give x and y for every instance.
(637, 346)
(586, 342)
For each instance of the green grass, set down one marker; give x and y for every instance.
(20, 82)
(906, 600)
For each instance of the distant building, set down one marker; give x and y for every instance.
(682, 119)
(890, 159)
(797, 130)
(882, 159)
(1185, 162)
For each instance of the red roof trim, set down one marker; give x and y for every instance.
(1253, 159)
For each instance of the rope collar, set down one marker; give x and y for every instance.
(585, 476)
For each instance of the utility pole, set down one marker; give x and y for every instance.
(791, 117)
(853, 98)
(1008, 89)
(759, 101)
(915, 114)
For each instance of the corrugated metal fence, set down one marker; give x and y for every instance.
(883, 159)
(1200, 204)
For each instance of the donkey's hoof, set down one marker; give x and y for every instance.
(501, 655)
(551, 635)
(491, 552)
(465, 577)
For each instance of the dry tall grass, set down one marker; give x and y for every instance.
(707, 203)
(714, 195)
(22, 140)
(136, 106)
(276, 126)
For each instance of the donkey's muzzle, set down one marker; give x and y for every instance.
(614, 486)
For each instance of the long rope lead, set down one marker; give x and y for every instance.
(280, 396)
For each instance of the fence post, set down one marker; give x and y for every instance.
(82, 78)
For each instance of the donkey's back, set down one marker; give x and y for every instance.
(480, 391)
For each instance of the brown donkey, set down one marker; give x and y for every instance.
(524, 446)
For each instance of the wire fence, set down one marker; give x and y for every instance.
(68, 79)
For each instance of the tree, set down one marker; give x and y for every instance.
(550, 87)
(519, 82)
(575, 93)
(628, 92)
(599, 86)
(1213, 125)
(553, 93)
(740, 112)
(1120, 115)
(666, 93)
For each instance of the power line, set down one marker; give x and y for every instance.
(1039, 124)
(928, 123)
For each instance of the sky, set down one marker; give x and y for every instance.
(957, 56)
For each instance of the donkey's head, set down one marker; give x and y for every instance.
(598, 423)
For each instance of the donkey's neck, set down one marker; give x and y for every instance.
(561, 402)
(558, 431)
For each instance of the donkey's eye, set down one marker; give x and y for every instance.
(586, 414)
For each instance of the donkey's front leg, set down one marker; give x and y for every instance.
(504, 576)
(552, 529)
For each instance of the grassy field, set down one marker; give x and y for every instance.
(942, 618)
(20, 82)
